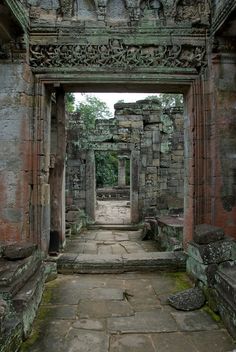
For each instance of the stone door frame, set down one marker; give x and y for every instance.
(91, 185)
(196, 203)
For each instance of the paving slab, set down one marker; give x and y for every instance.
(220, 341)
(89, 324)
(86, 341)
(143, 322)
(175, 342)
(122, 309)
(131, 343)
(194, 321)
(70, 319)
(104, 309)
(61, 312)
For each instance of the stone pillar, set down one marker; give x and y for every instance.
(134, 186)
(223, 141)
(90, 175)
(16, 117)
(121, 171)
(57, 175)
(196, 187)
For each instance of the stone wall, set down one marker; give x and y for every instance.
(16, 102)
(153, 140)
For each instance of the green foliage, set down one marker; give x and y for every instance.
(167, 100)
(91, 109)
(70, 102)
(106, 169)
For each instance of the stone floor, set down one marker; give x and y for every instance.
(122, 313)
(104, 242)
(113, 212)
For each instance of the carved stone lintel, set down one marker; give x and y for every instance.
(117, 54)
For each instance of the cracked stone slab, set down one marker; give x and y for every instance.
(104, 309)
(107, 294)
(67, 312)
(175, 342)
(85, 341)
(131, 343)
(89, 324)
(143, 322)
(194, 321)
(219, 341)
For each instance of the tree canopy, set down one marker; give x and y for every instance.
(167, 100)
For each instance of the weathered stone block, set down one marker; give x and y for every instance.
(226, 281)
(202, 272)
(72, 216)
(205, 234)
(187, 300)
(19, 251)
(227, 312)
(214, 252)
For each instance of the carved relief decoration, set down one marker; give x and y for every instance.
(197, 11)
(85, 9)
(66, 7)
(152, 9)
(116, 54)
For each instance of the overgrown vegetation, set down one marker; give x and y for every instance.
(106, 169)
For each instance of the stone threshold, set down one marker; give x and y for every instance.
(121, 227)
(74, 263)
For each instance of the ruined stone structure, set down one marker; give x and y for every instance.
(153, 141)
(55, 47)
(49, 47)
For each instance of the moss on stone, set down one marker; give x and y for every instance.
(34, 336)
(182, 281)
(209, 311)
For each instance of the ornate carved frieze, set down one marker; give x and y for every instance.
(194, 11)
(116, 54)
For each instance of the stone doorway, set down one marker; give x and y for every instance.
(112, 188)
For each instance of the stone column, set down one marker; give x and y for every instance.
(134, 186)
(16, 91)
(121, 171)
(57, 175)
(90, 175)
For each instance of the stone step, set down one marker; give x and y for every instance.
(226, 281)
(27, 300)
(226, 295)
(14, 274)
(11, 337)
(152, 261)
(114, 227)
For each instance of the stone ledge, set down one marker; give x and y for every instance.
(11, 339)
(156, 261)
(27, 300)
(226, 282)
(14, 274)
